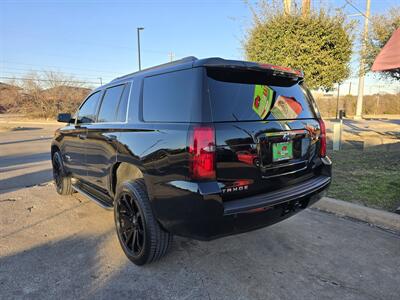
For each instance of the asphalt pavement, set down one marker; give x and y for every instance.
(25, 155)
(66, 247)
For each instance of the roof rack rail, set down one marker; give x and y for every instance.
(172, 63)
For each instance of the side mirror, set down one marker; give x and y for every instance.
(64, 118)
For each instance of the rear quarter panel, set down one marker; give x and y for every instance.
(160, 152)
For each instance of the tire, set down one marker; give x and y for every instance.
(61, 180)
(140, 235)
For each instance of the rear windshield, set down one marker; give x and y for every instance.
(253, 96)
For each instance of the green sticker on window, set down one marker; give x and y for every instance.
(262, 100)
(286, 108)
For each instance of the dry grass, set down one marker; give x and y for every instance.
(371, 178)
(373, 105)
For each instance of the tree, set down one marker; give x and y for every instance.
(48, 93)
(33, 88)
(382, 28)
(318, 43)
(9, 95)
(63, 93)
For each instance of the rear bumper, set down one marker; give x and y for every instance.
(299, 191)
(197, 210)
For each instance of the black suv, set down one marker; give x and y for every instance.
(200, 148)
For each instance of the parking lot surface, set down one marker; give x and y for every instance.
(66, 247)
(24, 155)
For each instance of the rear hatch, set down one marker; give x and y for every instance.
(266, 127)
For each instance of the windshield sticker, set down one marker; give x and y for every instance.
(262, 100)
(286, 108)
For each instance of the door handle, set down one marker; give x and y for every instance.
(82, 136)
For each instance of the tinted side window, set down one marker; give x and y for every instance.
(123, 104)
(87, 112)
(110, 103)
(171, 97)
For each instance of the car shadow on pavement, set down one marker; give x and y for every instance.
(296, 259)
(23, 128)
(26, 140)
(19, 159)
(95, 267)
(25, 180)
(62, 269)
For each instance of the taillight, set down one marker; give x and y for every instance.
(202, 153)
(322, 138)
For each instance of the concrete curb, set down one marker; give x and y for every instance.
(373, 216)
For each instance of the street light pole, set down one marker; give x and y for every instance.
(358, 115)
(138, 45)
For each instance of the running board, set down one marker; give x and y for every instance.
(94, 199)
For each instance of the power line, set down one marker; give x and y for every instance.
(47, 80)
(116, 45)
(171, 56)
(357, 9)
(131, 49)
(26, 76)
(6, 62)
(25, 72)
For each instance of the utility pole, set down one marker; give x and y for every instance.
(101, 80)
(358, 115)
(171, 56)
(377, 101)
(138, 46)
(287, 5)
(305, 7)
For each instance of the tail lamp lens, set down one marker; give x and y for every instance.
(322, 138)
(202, 152)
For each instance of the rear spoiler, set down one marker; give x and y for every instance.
(246, 65)
(284, 70)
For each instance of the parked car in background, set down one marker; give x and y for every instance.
(201, 148)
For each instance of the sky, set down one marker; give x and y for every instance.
(97, 39)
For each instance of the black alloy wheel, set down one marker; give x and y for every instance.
(61, 180)
(139, 233)
(131, 225)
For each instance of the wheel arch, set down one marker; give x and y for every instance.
(123, 171)
(54, 149)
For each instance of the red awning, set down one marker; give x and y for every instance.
(389, 57)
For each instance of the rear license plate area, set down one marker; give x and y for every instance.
(282, 151)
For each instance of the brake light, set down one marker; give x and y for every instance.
(202, 152)
(322, 138)
(282, 69)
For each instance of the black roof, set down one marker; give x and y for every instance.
(180, 63)
(191, 61)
